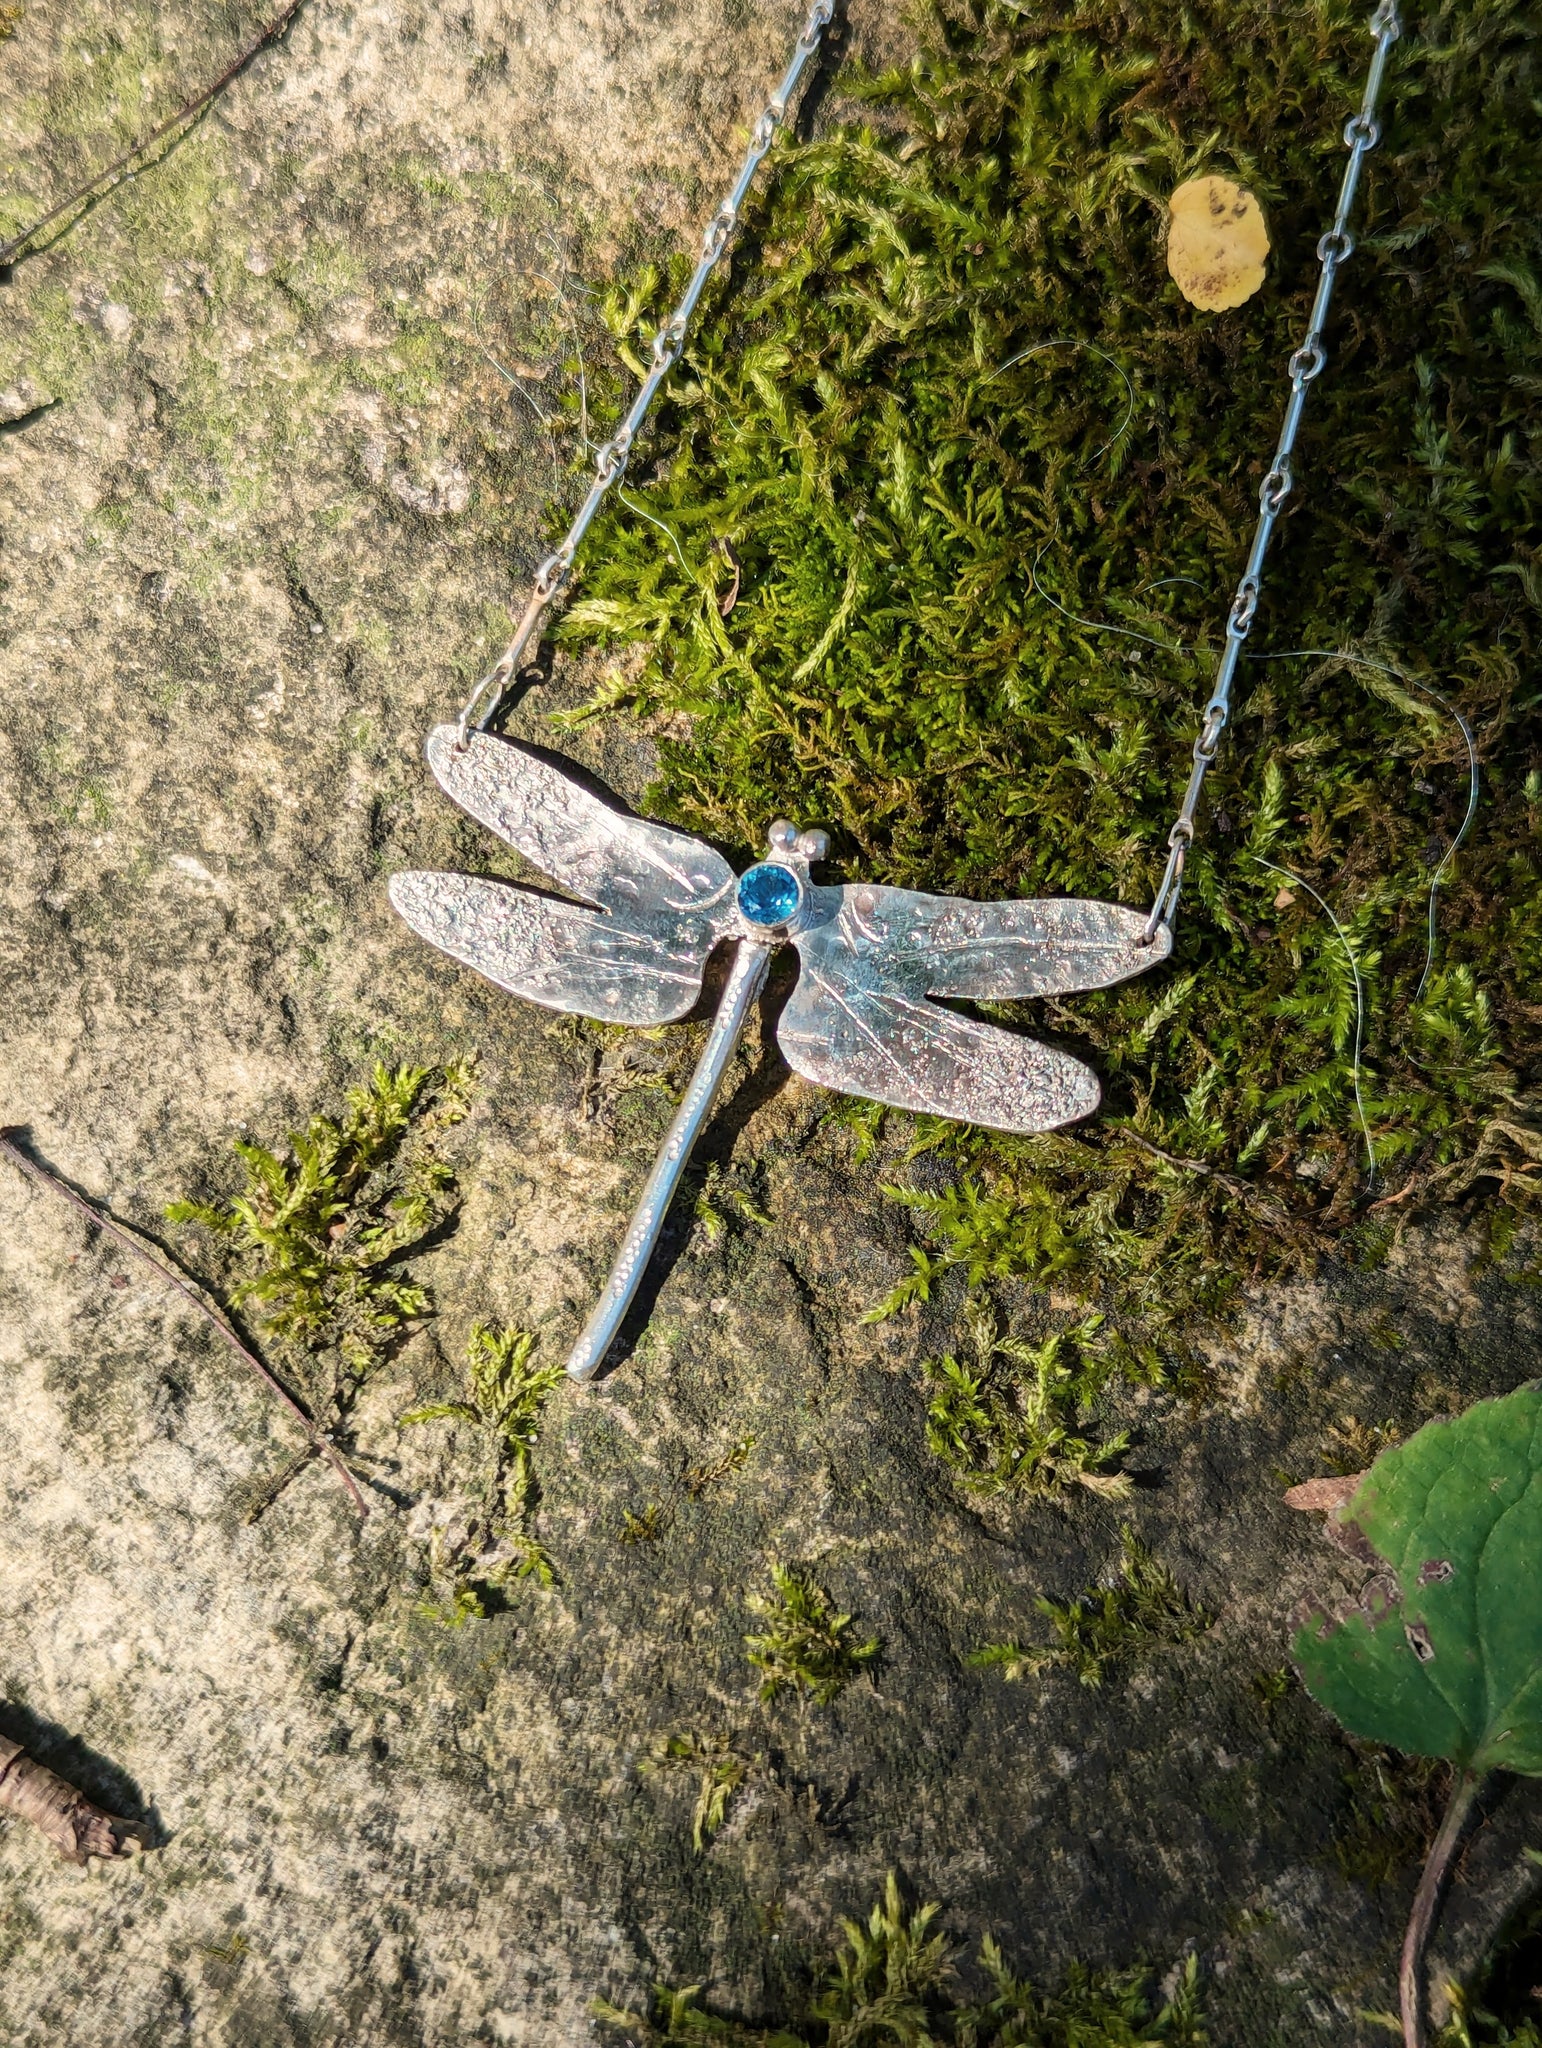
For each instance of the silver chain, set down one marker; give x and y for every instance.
(610, 463)
(1361, 134)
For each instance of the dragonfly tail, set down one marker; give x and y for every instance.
(745, 980)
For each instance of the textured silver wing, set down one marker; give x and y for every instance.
(860, 1020)
(622, 864)
(554, 953)
(664, 899)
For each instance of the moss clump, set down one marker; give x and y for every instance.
(646, 1526)
(712, 1471)
(1004, 1421)
(805, 1647)
(978, 483)
(1505, 2009)
(1474, 2026)
(507, 1393)
(324, 1229)
(1395, 1804)
(654, 1520)
(892, 1979)
(1144, 1609)
(721, 1771)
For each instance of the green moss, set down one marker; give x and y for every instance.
(805, 1647)
(76, 789)
(721, 1196)
(1394, 1807)
(1504, 2010)
(721, 1771)
(983, 483)
(712, 1471)
(507, 1394)
(1003, 1421)
(107, 88)
(646, 1527)
(652, 1522)
(892, 1980)
(1143, 1610)
(55, 349)
(102, 94)
(323, 1230)
(461, 1604)
(1474, 2026)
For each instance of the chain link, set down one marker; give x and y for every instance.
(611, 460)
(1361, 134)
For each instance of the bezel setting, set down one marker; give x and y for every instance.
(770, 896)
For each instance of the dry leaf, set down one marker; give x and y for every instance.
(1323, 1493)
(1216, 243)
(730, 598)
(1283, 900)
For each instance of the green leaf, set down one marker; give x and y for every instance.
(1441, 1654)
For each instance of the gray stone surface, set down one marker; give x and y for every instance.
(259, 542)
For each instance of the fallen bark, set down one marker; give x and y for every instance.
(75, 1826)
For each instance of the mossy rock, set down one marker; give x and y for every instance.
(266, 534)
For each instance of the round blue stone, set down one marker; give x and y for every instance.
(769, 894)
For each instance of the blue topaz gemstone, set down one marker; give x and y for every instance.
(769, 894)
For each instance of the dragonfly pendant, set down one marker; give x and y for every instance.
(862, 1019)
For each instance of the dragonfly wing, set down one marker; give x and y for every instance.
(626, 865)
(557, 954)
(860, 1019)
(849, 1035)
(949, 946)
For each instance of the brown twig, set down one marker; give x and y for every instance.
(271, 1488)
(320, 1441)
(1233, 1183)
(11, 250)
(76, 1826)
(1411, 1967)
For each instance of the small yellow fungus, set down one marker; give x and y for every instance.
(1217, 243)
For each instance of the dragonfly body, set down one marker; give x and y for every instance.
(864, 1017)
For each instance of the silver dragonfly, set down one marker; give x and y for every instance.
(862, 1018)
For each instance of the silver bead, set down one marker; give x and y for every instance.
(783, 835)
(813, 845)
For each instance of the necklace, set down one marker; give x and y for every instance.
(654, 903)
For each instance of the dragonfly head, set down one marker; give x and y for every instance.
(775, 896)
